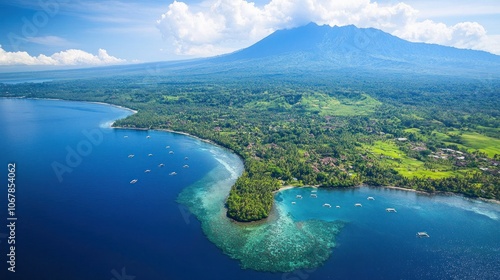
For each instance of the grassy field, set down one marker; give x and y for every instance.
(471, 141)
(485, 144)
(329, 106)
(393, 157)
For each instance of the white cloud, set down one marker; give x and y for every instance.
(63, 58)
(219, 26)
(48, 40)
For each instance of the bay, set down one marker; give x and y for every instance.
(79, 217)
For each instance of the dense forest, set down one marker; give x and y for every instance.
(428, 133)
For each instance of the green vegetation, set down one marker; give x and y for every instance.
(485, 144)
(424, 133)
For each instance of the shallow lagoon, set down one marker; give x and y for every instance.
(94, 224)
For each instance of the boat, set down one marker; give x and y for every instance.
(293, 202)
(314, 191)
(125, 136)
(133, 181)
(161, 165)
(185, 166)
(371, 198)
(150, 155)
(186, 158)
(130, 156)
(173, 173)
(171, 152)
(147, 171)
(314, 195)
(337, 206)
(391, 210)
(422, 234)
(327, 205)
(298, 196)
(148, 137)
(167, 147)
(358, 205)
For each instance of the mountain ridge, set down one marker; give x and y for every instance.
(312, 50)
(350, 47)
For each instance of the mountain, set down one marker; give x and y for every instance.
(316, 47)
(311, 50)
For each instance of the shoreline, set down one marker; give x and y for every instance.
(91, 102)
(283, 188)
(487, 200)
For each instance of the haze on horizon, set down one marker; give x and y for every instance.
(63, 33)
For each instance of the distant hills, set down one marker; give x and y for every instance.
(312, 50)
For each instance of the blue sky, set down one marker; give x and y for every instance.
(82, 33)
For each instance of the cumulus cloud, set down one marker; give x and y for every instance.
(63, 58)
(219, 26)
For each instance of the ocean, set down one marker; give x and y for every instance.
(81, 215)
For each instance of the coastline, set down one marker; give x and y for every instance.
(494, 201)
(92, 102)
(487, 200)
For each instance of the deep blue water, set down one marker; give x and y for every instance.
(91, 223)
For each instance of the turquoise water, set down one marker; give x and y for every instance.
(464, 234)
(89, 222)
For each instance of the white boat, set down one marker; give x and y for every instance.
(185, 166)
(130, 156)
(172, 173)
(147, 171)
(391, 210)
(167, 147)
(186, 158)
(358, 205)
(171, 152)
(298, 196)
(293, 202)
(327, 205)
(150, 155)
(161, 165)
(422, 234)
(133, 181)
(371, 198)
(314, 191)
(148, 137)
(337, 206)
(314, 195)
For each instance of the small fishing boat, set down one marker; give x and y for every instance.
(422, 234)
